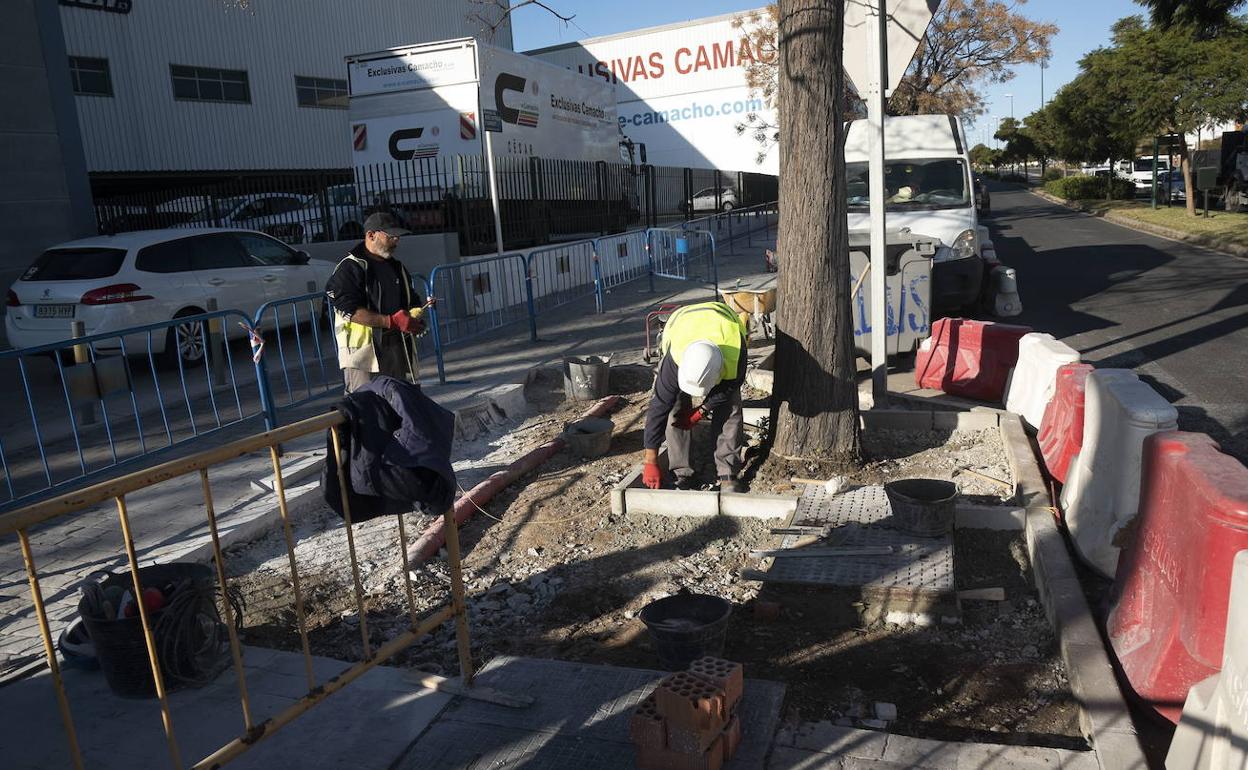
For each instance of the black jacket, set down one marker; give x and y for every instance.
(396, 452)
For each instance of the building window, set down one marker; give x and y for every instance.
(90, 76)
(321, 92)
(207, 84)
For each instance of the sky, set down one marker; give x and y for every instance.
(1084, 25)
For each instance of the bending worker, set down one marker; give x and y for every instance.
(376, 313)
(704, 356)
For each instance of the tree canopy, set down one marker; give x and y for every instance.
(1152, 80)
(968, 45)
(1207, 17)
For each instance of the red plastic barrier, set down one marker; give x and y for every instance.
(1167, 620)
(1061, 430)
(968, 358)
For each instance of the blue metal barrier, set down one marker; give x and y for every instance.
(565, 273)
(622, 258)
(477, 297)
(302, 344)
(118, 406)
(683, 254)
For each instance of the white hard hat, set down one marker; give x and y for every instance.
(699, 368)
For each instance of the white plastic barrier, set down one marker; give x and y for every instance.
(1031, 384)
(1213, 733)
(1102, 492)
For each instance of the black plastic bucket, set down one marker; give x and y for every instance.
(121, 648)
(686, 626)
(923, 507)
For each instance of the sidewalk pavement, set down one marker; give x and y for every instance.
(168, 520)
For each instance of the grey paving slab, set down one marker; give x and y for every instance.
(368, 724)
(861, 517)
(579, 718)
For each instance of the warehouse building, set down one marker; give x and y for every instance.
(181, 90)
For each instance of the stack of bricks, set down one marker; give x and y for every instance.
(690, 721)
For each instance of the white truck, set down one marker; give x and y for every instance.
(419, 116)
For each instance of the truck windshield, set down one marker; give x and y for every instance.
(911, 184)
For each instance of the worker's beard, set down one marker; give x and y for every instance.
(385, 251)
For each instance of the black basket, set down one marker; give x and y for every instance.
(188, 631)
(686, 626)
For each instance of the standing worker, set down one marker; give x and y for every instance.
(376, 313)
(704, 356)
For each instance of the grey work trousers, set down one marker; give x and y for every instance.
(726, 422)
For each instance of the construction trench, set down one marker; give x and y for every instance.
(951, 642)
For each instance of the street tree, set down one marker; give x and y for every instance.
(1171, 80)
(981, 155)
(815, 388)
(1084, 123)
(968, 45)
(1208, 17)
(1020, 145)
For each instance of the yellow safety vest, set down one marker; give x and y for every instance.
(711, 321)
(355, 341)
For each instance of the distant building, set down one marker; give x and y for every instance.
(171, 87)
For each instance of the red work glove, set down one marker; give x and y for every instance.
(403, 321)
(686, 420)
(651, 476)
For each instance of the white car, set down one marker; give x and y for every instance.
(115, 282)
(704, 200)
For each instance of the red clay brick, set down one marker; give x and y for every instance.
(724, 674)
(692, 703)
(666, 759)
(731, 738)
(767, 612)
(646, 728)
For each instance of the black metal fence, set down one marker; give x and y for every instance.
(540, 200)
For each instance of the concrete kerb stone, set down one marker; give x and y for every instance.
(1103, 713)
(990, 517)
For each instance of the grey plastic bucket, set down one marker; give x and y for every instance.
(586, 379)
(590, 437)
(923, 507)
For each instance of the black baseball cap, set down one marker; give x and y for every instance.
(386, 223)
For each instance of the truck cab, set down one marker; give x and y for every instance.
(928, 189)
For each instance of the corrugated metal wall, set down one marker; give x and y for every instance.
(143, 128)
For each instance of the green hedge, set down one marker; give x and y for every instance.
(1084, 187)
(1053, 173)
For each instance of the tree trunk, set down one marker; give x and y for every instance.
(1185, 161)
(815, 359)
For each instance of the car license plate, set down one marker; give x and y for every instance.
(54, 311)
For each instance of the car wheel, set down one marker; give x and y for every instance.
(185, 342)
(351, 231)
(728, 206)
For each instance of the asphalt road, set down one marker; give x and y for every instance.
(1175, 313)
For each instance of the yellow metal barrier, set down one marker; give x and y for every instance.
(22, 519)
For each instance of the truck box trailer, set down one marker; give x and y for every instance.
(684, 90)
(419, 115)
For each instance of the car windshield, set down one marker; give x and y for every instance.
(911, 184)
(219, 209)
(1147, 164)
(75, 264)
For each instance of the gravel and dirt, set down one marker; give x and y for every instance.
(550, 572)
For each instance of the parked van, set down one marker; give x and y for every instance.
(928, 189)
(1140, 171)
